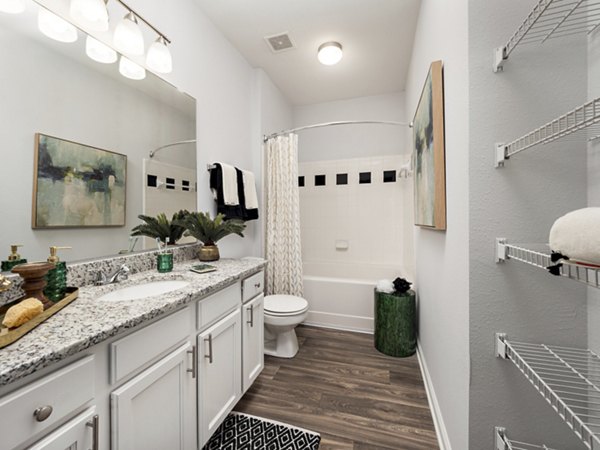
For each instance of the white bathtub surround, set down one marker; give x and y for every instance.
(283, 244)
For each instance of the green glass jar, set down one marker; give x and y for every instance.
(396, 323)
(56, 289)
(164, 262)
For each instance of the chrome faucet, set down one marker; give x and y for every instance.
(120, 274)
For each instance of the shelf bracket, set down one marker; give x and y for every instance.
(501, 345)
(499, 438)
(499, 58)
(501, 250)
(500, 155)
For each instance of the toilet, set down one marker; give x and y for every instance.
(283, 313)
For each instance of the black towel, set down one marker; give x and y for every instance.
(229, 211)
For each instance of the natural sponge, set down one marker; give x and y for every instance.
(22, 312)
(576, 235)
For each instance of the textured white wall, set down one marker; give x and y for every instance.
(352, 141)
(442, 263)
(519, 202)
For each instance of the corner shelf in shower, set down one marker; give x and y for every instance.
(568, 378)
(502, 442)
(551, 19)
(582, 273)
(578, 119)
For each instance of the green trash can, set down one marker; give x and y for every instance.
(395, 323)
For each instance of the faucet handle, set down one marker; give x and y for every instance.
(100, 278)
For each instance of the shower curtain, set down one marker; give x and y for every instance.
(284, 253)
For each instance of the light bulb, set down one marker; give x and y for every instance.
(131, 70)
(99, 52)
(92, 14)
(56, 27)
(12, 6)
(159, 57)
(128, 36)
(330, 53)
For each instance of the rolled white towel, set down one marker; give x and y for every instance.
(250, 190)
(576, 235)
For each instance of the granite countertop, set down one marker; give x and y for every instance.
(87, 322)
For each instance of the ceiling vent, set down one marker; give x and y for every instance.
(280, 42)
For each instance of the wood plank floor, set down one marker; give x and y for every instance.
(341, 387)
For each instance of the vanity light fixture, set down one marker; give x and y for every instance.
(12, 6)
(92, 14)
(330, 53)
(131, 70)
(128, 35)
(159, 57)
(55, 27)
(99, 52)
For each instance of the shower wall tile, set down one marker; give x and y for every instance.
(373, 217)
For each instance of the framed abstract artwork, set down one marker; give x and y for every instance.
(429, 152)
(75, 185)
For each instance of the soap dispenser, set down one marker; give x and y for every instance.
(56, 288)
(13, 259)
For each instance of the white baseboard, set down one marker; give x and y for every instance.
(436, 413)
(340, 321)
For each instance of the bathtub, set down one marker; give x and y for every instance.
(340, 295)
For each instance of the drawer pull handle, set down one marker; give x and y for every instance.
(257, 285)
(251, 321)
(210, 351)
(193, 369)
(94, 425)
(42, 413)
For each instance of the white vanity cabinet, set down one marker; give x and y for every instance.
(82, 432)
(253, 341)
(219, 373)
(156, 409)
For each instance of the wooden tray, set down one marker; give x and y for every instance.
(10, 335)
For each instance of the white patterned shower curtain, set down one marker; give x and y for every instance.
(284, 252)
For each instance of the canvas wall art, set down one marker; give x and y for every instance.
(75, 185)
(429, 153)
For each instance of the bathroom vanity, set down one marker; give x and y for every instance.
(160, 372)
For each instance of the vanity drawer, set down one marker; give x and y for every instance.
(252, 286)
(217, 305)
(59, 394)
(132, 352)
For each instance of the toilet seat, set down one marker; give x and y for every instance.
(285, 305)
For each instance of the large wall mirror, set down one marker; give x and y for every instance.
(54, 89)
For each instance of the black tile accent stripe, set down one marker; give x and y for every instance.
(320, 180)
(301, 181)
(341, 178)
(364, 178)
(389, 176)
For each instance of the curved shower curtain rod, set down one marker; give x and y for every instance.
(172, 144)
(329, 124)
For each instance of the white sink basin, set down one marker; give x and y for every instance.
(143, 290)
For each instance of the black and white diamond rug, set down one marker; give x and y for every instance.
(244, 432)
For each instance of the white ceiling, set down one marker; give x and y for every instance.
(377, 37)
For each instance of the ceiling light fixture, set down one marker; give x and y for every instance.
(131, 70)
(99, 51)
(92, 14)
(55, 27)
(12, 6)
(159, 57)
(128, 36)
(330, 53)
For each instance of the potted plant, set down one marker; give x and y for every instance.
(161, 227)
(209, 231)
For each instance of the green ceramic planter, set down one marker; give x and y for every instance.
(395, 324)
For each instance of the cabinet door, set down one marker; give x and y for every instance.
(156, 409)
(253, 343)
(80, 433)
(219, 373)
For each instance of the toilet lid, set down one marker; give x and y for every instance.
(284, 304)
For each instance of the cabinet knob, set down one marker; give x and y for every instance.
(42, 413)
(257, 285)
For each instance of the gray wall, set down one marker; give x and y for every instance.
(519, 202)
(442, 263)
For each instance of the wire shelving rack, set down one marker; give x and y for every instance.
(568, 378)
(580, 118)
(504, 443)
(584, 274)
(551, 19)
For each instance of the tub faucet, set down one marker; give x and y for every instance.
(118, 275)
